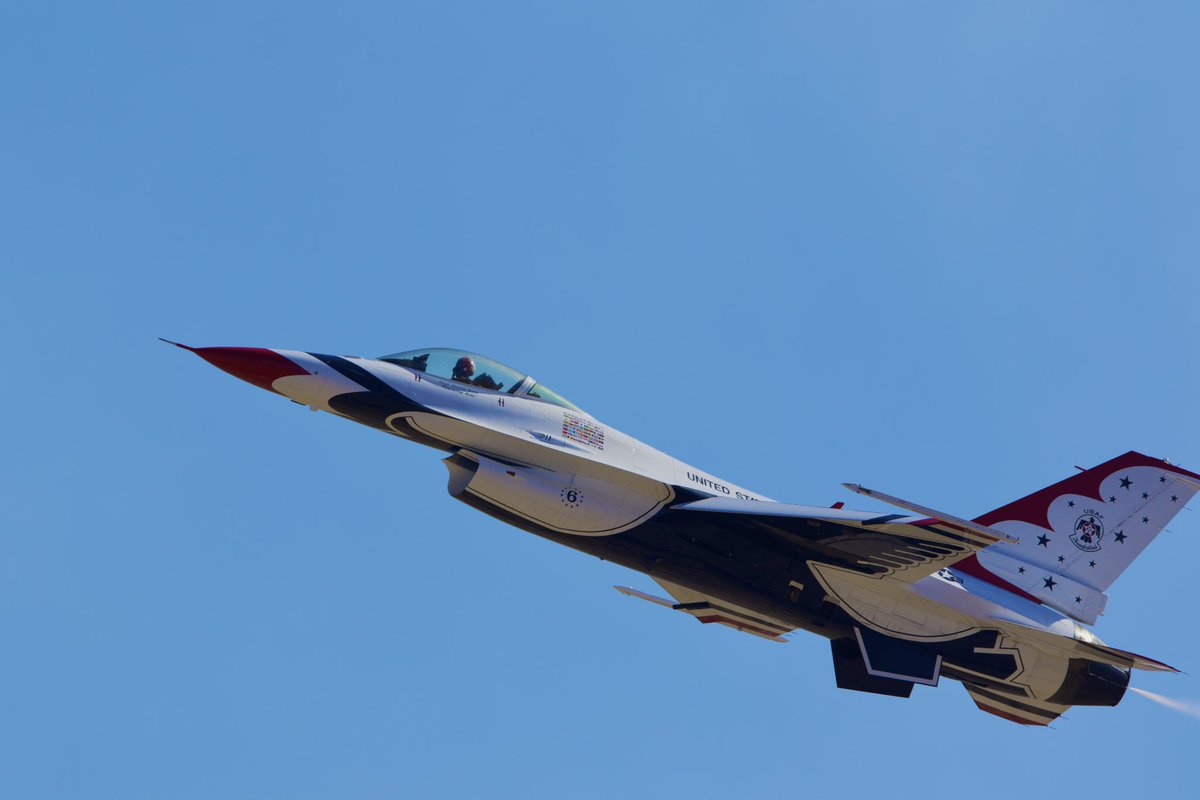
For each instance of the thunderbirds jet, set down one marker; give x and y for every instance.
(998, 603)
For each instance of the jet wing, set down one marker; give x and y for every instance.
(708, 610)
(903, 547)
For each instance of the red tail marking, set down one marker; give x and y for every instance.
(1033, 508)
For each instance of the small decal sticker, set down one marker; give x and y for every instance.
(571, 497)
(1088, 531)
(947, 575)
(578, 429)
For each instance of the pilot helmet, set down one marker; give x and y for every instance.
(465, 367)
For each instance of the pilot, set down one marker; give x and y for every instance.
(463, 370)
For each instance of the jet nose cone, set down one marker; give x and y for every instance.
(255, 365)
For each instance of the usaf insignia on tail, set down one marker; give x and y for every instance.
(1089, 530)
(999, 603)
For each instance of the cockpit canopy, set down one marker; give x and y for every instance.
(478, 371)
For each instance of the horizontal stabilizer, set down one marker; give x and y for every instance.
(1087, 647)
(1014, 708)
(1118, 657)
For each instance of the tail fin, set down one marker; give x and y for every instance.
(1091, 526)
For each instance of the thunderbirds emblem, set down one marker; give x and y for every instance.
(1089, 530)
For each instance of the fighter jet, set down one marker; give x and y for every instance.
(999, 603)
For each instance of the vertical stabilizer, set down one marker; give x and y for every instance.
(1089, 527)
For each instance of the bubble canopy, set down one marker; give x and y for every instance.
(478, 371)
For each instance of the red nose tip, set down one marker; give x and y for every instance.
(252, 364)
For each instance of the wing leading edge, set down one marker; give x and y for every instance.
(903, 547)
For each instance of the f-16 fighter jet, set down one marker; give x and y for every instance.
(998, 603)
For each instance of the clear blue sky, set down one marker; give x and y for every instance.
(947, 249)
